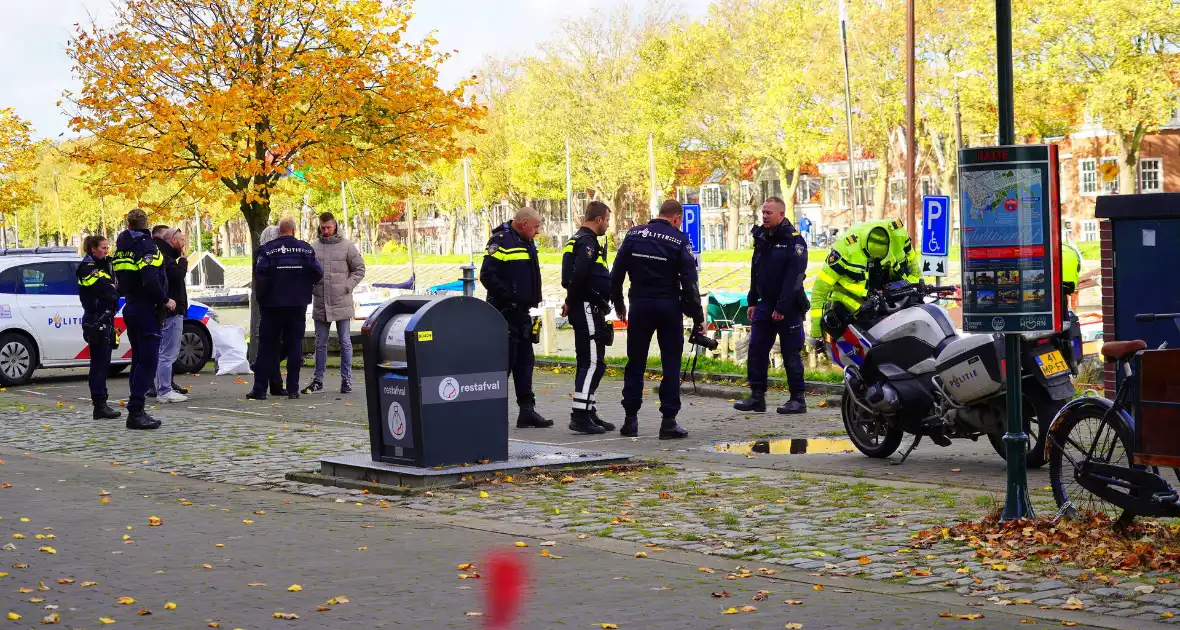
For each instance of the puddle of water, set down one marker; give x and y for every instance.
(794, 446)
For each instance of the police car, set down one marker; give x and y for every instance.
(41, 318)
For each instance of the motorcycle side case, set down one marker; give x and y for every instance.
(970, 367)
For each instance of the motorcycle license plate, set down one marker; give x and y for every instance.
(1052, 363)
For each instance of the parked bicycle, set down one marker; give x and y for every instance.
(1105, 455)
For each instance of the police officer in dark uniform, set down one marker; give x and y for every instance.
(100, 300)
(512, 275)
(777, 306)
(284, 271)
(587, 282)
(658, 257)
(139, 273)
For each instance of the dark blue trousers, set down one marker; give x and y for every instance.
(143, 330)
(280, 335)
(661, 318)
(100, 367)
(520, 355)
(763, 332)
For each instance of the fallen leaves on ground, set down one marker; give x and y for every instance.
(125, 601)
(1090, 540)
(49, 550)
(169, 606)
(1073, 603)
(704, 570)
(105, 620)
(818, 587)
(51, 619)
(294, 588)
(285, 615)
(88, 584)
(609, 626)
(339, 599)
(143, 612)
(473, 614)
(863, 560)
(155, 521)
(521, 544)
(5, 485)
(793, 626)
(640, 554)
(722, 594)
(793, 602)
(760, 596)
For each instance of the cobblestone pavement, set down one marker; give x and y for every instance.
(711, 421)
(819, 525)
(78, 540)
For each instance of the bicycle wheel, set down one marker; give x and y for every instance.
(1075, 434)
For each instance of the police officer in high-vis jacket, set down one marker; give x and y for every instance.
(140, 275)
(777, 306)
(867, 257)
(511, 274)
(285, 270)
(100, 300)
(586, 279)
(658, 258)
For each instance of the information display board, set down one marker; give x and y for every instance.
(1010, 238)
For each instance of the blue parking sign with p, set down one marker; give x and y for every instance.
(936, 226)
(692, 225)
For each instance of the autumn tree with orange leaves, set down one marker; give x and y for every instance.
(230, 96)
(17, 159)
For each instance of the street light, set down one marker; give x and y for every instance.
(57, 204)
(848, 111)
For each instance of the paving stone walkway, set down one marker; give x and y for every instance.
(830, 526)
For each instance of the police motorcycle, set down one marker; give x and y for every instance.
(906, 370)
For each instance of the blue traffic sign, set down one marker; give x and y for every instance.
(692, 225)
(936, 226)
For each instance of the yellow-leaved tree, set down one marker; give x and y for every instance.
(239, 94)
(18, 156)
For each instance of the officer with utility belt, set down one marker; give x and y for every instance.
(100, 300)
(585, 276)
(285, 270)
(511, 273)
(658, 258)
(139, 272)
(777, 307)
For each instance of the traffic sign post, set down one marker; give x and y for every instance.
(691, 224)
(936, 235)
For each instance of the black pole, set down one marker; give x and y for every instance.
(1017, 504)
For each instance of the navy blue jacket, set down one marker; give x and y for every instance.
(777, 271)
(658, 257)
(510, 271)
(175, 268)
(284, 271)
(584, 273)
(96, 290)
(139, 268)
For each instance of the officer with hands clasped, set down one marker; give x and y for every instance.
(777, 307)
(511, 273)
(585, 276)
(100, 300)
(658, 258)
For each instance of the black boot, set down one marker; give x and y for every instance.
(530, 419)
(756, 401)
(138, 420)
(103, 411)
(793, 406)
(253, 395)
(630, 426)
(606, 426)
(582, 422)
(277, 389)
(177, 388)
(669, 430)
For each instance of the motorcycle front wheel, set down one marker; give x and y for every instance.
(869, 434)
(1039, 411)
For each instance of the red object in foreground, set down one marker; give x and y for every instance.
(506, 574)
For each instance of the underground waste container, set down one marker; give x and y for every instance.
(436, 379)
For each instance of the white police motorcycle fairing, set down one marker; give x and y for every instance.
(906, 370)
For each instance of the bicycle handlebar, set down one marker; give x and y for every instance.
(1151, 317)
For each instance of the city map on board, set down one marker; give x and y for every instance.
(991, 199)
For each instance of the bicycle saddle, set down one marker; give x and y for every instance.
(1115, 350)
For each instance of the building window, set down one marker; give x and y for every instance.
(688, 194)
(1111, 187)
(829, 192)
(808, 190)
(750, 193)
(711, 196)
(1088, 176)
(897, 190)
(928, 187)
(864, 188)
(843, 192)
(1151, 175)
(1089, 230)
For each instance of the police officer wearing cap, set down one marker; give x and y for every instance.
(658, 258)
(512, 275)
(139, 272)
(285, 270)
(585, 276)
(777, 306)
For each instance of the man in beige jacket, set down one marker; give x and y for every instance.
(332, 300)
